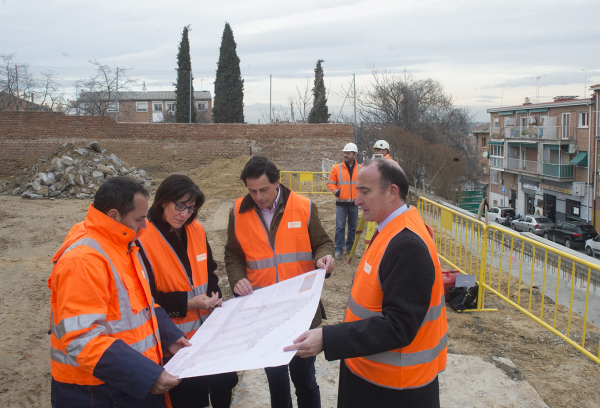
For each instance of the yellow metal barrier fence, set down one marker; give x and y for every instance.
(520, 271)
(303, 182)
(458, 237)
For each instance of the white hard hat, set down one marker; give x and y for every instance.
(350, 147)
(381, 144)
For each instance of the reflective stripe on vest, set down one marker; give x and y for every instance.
(128, 320)
(189, 326)
(409, 359)
(279, 259)
(433, 313)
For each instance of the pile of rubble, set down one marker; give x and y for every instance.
(72, 172)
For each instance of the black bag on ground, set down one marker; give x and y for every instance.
(462, 298)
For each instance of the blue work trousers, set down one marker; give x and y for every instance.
(302, 371)
(343, 212)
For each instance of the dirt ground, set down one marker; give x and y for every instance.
(33, 230)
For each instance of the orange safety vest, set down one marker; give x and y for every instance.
(98, 294)
(417, 364)
(339, 178)
(170, 274)
(292, 255)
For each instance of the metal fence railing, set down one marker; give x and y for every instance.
(306, 182)
(554, 288)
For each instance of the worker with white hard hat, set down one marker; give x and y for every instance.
(382, 147)
(342, 183)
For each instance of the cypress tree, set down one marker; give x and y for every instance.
(319, 112)
(228, 105)
(182, 87)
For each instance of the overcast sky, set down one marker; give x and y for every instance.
(476, 49)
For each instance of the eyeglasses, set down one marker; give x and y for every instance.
(181, 207)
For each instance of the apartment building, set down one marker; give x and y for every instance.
(542, 157)
(479, 137)
(141, 107)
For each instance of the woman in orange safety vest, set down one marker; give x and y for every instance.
(180, 268)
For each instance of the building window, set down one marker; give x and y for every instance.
(157, 106)
(496, 122)
(483, 142)
(171, 106)
(494, 177)
(202, 106)
(141, 106)
(112, 107)
(566, 125)
(584, 120)
(497, 150)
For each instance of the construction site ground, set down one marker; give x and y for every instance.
(493, 356)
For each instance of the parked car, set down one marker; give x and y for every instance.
(536, 224)
(592, 246)
(499, 214)
(570, 233)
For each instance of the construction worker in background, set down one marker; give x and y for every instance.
(275, 234)
(382, 147)
(393, 339)
(342, 183)
(107, 336)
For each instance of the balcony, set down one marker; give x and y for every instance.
(525, 166)
(496, 162)
(558, 170)
(540, 168)
(540, 132)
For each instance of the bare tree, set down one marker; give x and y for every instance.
(21, 90)
(99, 92)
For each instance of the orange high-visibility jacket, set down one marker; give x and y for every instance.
(417, 364)
(170, 274)
(339, 179)
(98, 294)
(292, 255)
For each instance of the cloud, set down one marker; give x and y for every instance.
(547, 78)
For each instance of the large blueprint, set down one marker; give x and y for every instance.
(250, 332)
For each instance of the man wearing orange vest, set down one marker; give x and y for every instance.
(342, 183)
(107, 336)
(393, 339)
(382, 147)
(275, 234)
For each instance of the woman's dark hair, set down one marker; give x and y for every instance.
(173, 188)
(118, 193)
(257, 166)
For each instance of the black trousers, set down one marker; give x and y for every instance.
(302, 371)
(193, 392)
(355, 392)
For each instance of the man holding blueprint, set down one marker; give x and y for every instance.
(275, 235)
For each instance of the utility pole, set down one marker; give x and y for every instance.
(190, 96)
(17, 75)
(117, 98)
(502, 98)
(355, 123)
(270, 97)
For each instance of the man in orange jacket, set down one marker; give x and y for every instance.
(342, 183)
(107, 336)
(382, 147)
(393, 339)
(275, 234)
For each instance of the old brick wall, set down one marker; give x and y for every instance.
(25, 136)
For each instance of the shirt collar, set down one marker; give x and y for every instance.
(275, 203)
(390, 217)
